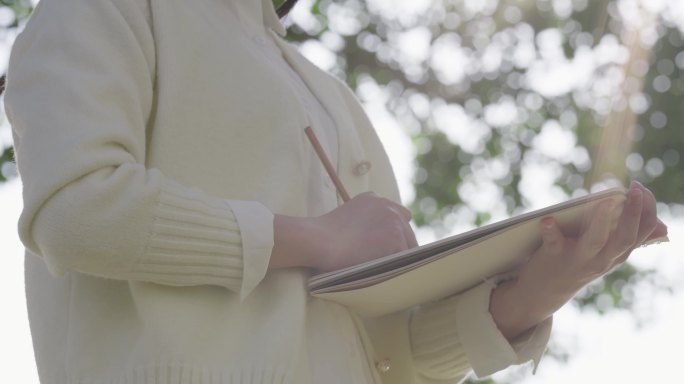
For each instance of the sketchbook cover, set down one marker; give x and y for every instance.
(450, 265)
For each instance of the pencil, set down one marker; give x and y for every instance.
(327, 164)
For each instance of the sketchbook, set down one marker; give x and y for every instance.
(451, 265)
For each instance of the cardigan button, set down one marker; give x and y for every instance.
(362, 168)
(383, 365)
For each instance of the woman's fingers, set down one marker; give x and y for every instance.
(626, 234)
(405, 212)
(552, 237)
(649, 219)
(638, 223)
(596, 234)
(658, 234)
(410, 237)
(366, 227)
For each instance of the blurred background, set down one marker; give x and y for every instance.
(489, 108)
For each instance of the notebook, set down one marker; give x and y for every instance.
(451, 265)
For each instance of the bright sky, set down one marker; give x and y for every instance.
(16, 356)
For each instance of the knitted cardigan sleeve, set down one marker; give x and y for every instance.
(450, 337)
(443, 341)
(79, 98)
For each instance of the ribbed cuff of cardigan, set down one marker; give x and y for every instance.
(199, 239)
(460, 331)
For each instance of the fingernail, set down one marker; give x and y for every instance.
(634, 195)
(547, 222)
(657, 240)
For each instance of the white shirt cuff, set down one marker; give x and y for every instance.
(488, 351)
(256, 232)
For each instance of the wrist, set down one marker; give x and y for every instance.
(514, 309)
(297, 242)
(504, 309)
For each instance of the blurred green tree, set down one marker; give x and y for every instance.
(12, 14)
(489, 91)
(484, 88)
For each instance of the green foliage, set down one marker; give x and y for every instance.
(617, 290)
(21, 9)
(7, 167)
(372, 54)
(659, 135)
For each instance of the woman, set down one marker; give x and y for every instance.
(173, 196)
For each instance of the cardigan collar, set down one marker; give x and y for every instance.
(271, 18)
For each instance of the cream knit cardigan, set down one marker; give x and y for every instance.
(154, 148)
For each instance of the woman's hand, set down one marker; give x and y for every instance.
(364, 228)
(564, 265)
